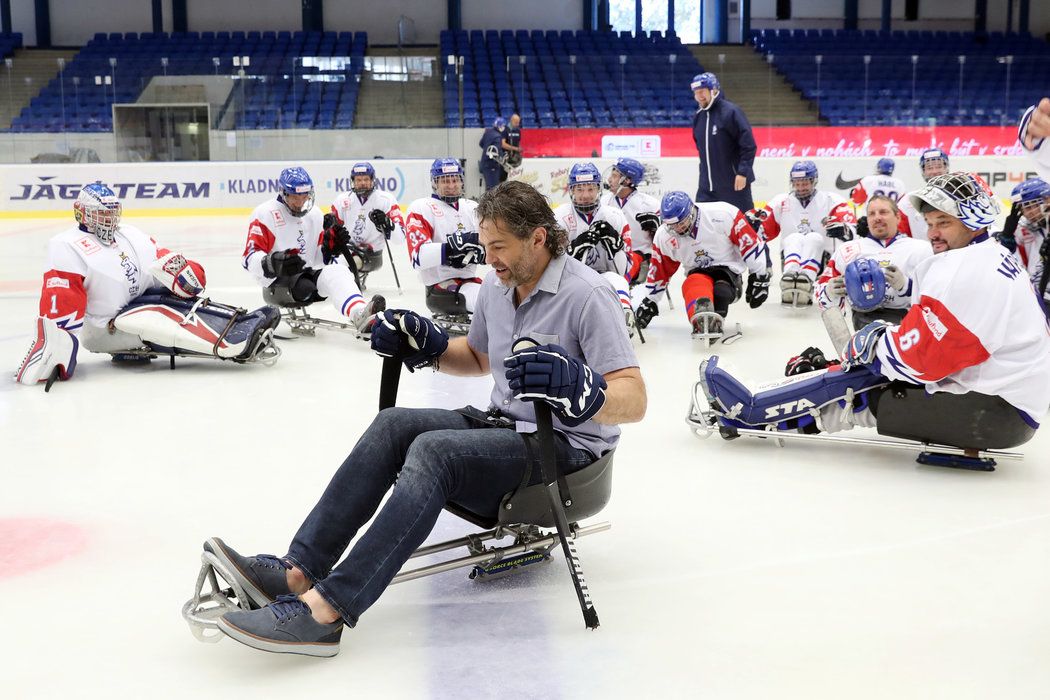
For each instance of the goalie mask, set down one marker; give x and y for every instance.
(358, 173)
(678, 212)
(98, 211)
(585, 188)
(294, 184)
(446, 179)
(964, 196)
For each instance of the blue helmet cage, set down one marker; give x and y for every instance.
(885, 166)
(803, 170)
(296, 181)
(585, 174)
(932, 154)
(362, 168)
(445, 167)
(677, 211)
(631, 169)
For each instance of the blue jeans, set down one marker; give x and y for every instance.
(434, 456)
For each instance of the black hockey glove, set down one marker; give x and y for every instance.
(862, 228)
(282, 263)
(334, 238)
(409, 337)
(648, 221)
(755, 217)
(647, 311)
(608, 237)
(757, 289)
(1044, 249)
(383, 223)
(809, 360)
(580, 246)
(549, 373)
(462, 249)
(839, 230)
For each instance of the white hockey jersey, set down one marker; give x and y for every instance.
(353, 213)
(598, 258)
(912, 222)
(430, 222)
(272, 227)
(720, 236)
(906, 253)
(1041, 154)
(88, 282)
(1030, 237)
(881, 185)
(785, 213)
(974, 325)
(636, 203)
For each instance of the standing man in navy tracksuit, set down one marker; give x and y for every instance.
(726, 145)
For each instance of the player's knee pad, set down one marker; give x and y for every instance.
(445, 298)
(195, 326)
(296, 290)
(371, 260)
(968, 420)
(790, 403)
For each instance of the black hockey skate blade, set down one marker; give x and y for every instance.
(510, 565)
(939, 459)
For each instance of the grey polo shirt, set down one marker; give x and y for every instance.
(572, 306)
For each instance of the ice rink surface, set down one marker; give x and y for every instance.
(732, 569)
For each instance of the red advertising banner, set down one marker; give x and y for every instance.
(794, 141)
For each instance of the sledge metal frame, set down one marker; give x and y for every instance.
(703, 420)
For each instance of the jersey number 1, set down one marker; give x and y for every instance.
(54, 304)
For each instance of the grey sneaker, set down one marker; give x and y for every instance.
(262, 577)
(365, 318)
(283, 627)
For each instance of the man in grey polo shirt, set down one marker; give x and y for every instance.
(584, 367)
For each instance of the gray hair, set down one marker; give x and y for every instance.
(521, 209)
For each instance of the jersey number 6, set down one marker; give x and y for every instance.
(909, 339)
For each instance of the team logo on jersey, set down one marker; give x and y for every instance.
(714, 130)
(673, 242)
(701, 259)
(278, 217)
(301, 240)
(131, 272)
(935, 324)
(88, 244)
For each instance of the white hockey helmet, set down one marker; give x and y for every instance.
(966, 196)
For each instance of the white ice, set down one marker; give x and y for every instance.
(732, 569)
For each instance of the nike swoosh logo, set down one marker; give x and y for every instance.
(846, 184)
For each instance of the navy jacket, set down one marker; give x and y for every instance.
(491, 137)
(726, 146)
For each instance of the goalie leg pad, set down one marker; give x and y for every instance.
(197, 327)
(788, 404)
(52, 348)
(968, 420)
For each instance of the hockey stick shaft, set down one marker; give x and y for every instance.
(837, 328)
(389, 380)
(549, 469)
(393, 266)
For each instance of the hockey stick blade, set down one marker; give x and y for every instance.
(837, 328)
(51, 379)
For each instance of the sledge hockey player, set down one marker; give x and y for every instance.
(881, 183)
(431, 457)
(968, 366)
(1030, 237)
(599, 236)
(716, 244)
(443, 245)
(814, 223)
(368, 218)
(932, 162)
(297, 261)
(1033, 132)
(110, 287)
(641, 210)
(873, 276)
